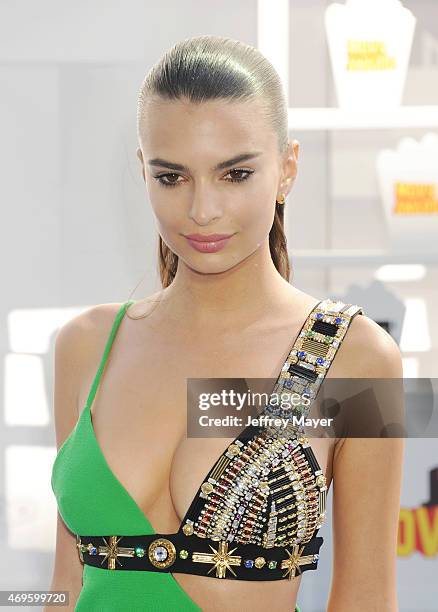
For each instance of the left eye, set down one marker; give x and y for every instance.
(240, 171)
(163, 179)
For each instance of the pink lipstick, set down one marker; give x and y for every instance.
(208, 243)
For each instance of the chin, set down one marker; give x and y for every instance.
(212, 263)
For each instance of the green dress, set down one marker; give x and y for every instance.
(92, 500)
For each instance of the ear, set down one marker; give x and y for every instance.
(290, 167)
(140, 157)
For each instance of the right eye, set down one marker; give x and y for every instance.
(160, 178)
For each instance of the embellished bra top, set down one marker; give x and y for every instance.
(257, 512)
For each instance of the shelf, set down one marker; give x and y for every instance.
(359, 257)
(340, 119)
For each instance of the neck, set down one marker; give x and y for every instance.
(228, 299)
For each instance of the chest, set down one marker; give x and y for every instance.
(140, 412)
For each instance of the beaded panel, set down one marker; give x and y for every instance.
(267, 488)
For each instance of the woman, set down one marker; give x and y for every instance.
(216, 159)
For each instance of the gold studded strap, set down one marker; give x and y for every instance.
(193, 555)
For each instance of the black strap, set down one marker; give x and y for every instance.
(178, 553)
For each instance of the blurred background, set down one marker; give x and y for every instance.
(77, 229)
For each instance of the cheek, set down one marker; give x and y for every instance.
(170, 222)
(257, 215)
(169, 216)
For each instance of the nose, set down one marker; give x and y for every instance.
(205, 206)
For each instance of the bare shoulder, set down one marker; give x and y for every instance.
(80, 333)
(78, 344)
(368, 351)
(82, 336)
(81, 340)
(87, 320)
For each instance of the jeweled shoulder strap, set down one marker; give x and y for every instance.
(312, 355)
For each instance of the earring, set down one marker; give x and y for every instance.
(281, 200)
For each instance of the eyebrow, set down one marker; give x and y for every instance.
(157, 161)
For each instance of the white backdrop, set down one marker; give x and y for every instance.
(77, 229)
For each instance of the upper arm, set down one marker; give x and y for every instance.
(367, 474)
(76, 345)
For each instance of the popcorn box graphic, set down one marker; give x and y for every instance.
(369, 44)
(408, 184)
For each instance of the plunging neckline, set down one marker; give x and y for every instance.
(121, 486)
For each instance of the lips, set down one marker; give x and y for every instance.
(208, 243)
(207, 237)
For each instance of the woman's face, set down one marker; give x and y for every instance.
(212, 168)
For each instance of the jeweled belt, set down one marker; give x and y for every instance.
(204, 557)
